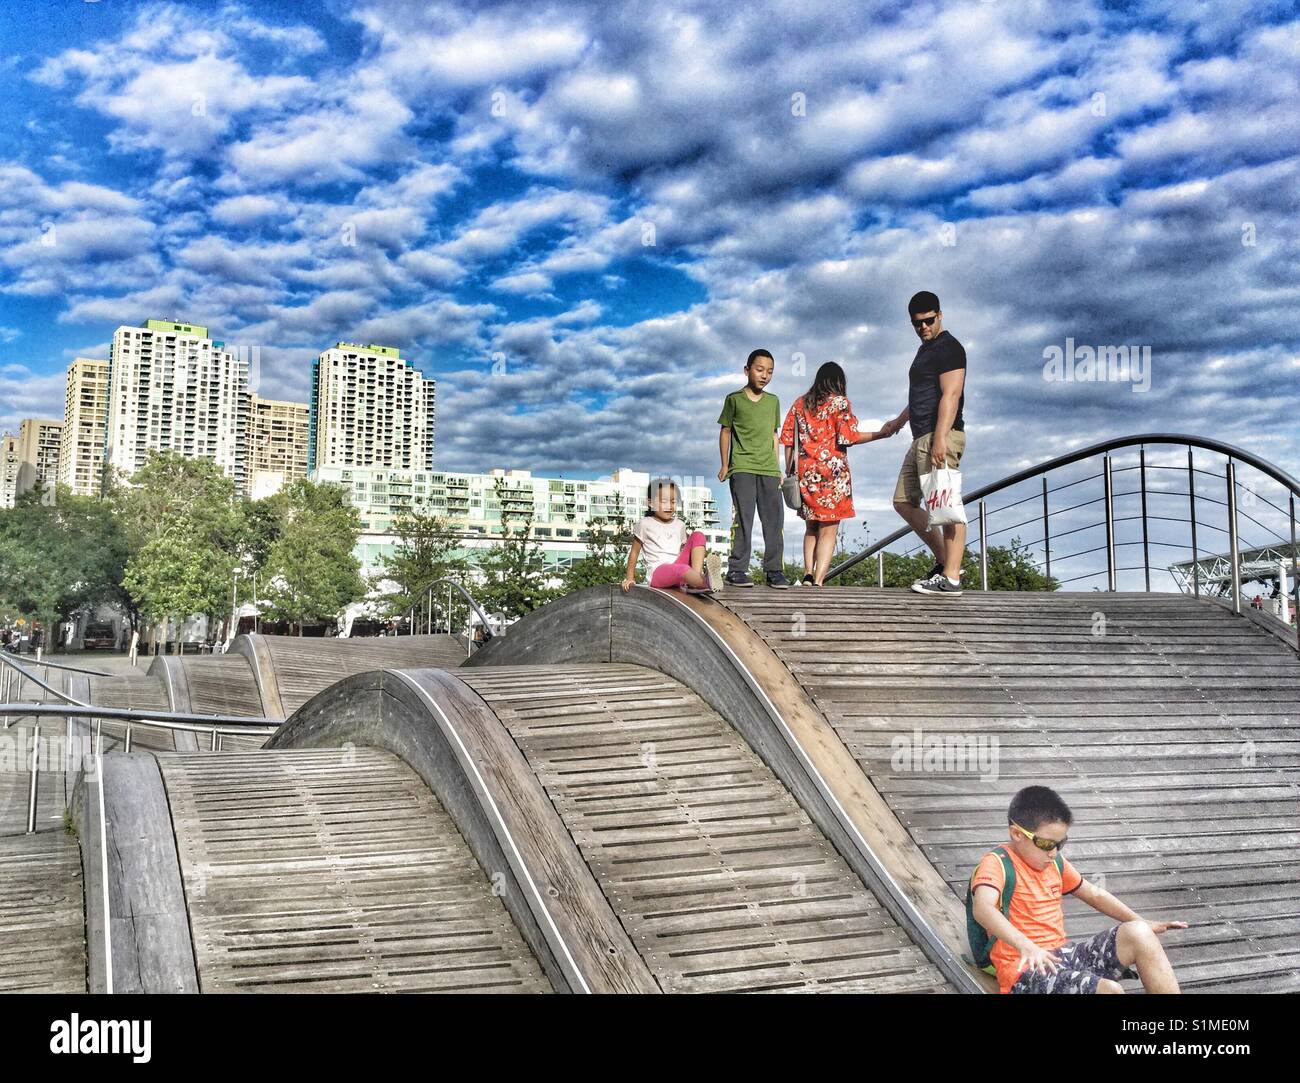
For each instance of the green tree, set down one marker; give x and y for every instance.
(311, 571)
(172, 577)
(428, 549)
(1011, 567)
(60, 554)
(180, 517)
(609, 540)
(515, 577)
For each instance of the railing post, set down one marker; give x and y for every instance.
(214, 739)
(31, 793)
(449, 609)
(429, 623)
(1191, 496)
(984, 548)
(1295, 574)
(1047, 532)
(127, 746)
(1233, 548)
(1110, 524)
(880, 567)
(1146, 552)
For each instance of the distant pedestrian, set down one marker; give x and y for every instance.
(827, 428)
(936, 393)
(747, 443)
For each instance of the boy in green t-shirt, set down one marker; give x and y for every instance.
(750, 418)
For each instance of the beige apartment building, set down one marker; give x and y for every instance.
(85, 416)
(277, 445)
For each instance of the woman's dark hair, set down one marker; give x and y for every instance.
(828, 381)
(652, 490)
(1037, 805)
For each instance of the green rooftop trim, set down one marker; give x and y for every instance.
(384, 351)
(182, 328)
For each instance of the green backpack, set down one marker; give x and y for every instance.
(981, 943)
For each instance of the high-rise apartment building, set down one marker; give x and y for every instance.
(277, 445)
(9, 463)
(39, 441)
(85, 416)
(172, 388)
(369, 407)
(29, 460)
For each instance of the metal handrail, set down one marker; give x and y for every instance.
(450, 584)
(1105, 446)
(135, 715)
(25, 674)
(62, 665)
(170, 720)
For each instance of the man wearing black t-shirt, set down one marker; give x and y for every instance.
(935, 396)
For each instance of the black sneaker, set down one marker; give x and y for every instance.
(807, 581)
(738, 579)
(778, 581)
(936, 570)
(937, 584)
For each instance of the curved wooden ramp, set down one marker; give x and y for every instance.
(334, 871)
(711, 866)
(1130, 705)
(1168, 724)
(146, 693)
(42, 927)
(289, 670)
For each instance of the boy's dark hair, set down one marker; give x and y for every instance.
(1037, 805)
(652, 490)
(758, 353)
(925, 301)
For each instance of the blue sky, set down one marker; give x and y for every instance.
(581, 217)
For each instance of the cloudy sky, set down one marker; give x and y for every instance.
(580, 217)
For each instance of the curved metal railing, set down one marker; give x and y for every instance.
(423, 609)
(1239, 502)
(70, 706)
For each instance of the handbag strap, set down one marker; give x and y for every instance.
(797, 442)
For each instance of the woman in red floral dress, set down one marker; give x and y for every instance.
(827, 429)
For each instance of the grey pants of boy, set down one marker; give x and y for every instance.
(761, 491)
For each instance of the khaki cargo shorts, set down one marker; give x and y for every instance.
(917, 462)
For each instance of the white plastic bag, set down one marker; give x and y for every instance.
(941, 496)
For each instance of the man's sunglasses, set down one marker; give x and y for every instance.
(1046, 845)
(924, 321)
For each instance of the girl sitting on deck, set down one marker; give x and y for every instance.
(673, 557)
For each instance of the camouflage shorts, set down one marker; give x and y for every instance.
(1082, 966)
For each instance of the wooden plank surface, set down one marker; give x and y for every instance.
(304, 666)
(715, 871)
(42, 921)
(1169, 725)
(334, 870)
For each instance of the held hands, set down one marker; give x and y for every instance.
(890, 427)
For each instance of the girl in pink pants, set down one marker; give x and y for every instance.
(659, 536)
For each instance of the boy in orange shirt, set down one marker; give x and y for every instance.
(1031, 954)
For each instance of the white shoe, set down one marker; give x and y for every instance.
(713, 571)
